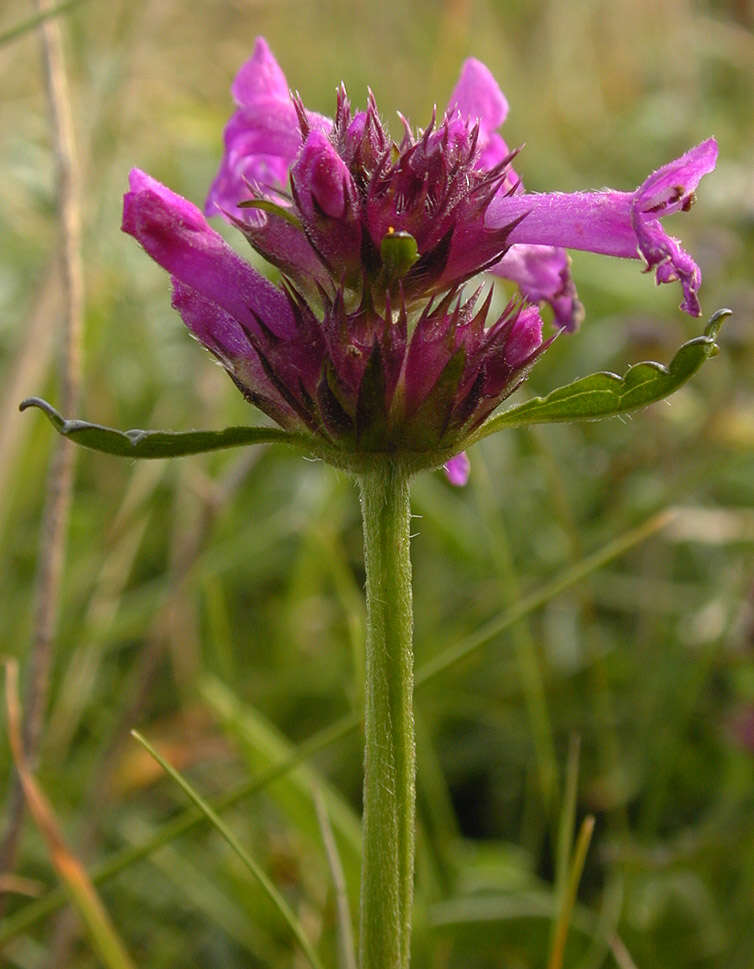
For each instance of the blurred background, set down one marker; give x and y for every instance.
(215, 602)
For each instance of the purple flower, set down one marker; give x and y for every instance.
(370, 342)
(618, 223)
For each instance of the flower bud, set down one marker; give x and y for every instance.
(321, 181)
(327, 201)
(525, 337)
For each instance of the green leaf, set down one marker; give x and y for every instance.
(271, 209)
(606, 394)
(160, 444)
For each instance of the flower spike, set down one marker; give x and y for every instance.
(370, 343)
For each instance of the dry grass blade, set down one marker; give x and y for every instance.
(101, 930)
(59, 485)
(11, 884)
(621, 954)
(568, 899)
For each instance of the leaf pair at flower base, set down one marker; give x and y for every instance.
(596, 396)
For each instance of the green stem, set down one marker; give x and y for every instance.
(387, 876)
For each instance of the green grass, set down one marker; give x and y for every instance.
(214, 603)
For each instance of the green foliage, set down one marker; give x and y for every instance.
(607, 395)
(156, 444)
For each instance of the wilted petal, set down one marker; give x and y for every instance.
(457, 469)
(176, 235)
(617, 223)
(543, 273)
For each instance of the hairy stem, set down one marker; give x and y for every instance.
(389, 760)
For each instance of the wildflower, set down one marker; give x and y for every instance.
(371, 342)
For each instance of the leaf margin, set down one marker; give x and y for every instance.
(627, 393)
(137, 443)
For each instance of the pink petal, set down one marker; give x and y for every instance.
(543, 273)
(260, 76)
(262, 137)
(614, 223)
(478, 96)
(457, 469)
(222, 334)
(176, 235)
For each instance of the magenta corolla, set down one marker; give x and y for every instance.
(371, 341)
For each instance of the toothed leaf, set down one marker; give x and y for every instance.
(607, 394)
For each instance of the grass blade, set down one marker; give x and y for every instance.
(14, 925)
(567, 818)
(535, 600)
(345, 929)
(13, 33)
(263, 747)
(568, 899)
(211, 816)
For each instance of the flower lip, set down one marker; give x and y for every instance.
(671, 188)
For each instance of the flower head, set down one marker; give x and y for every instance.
(371, 342)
